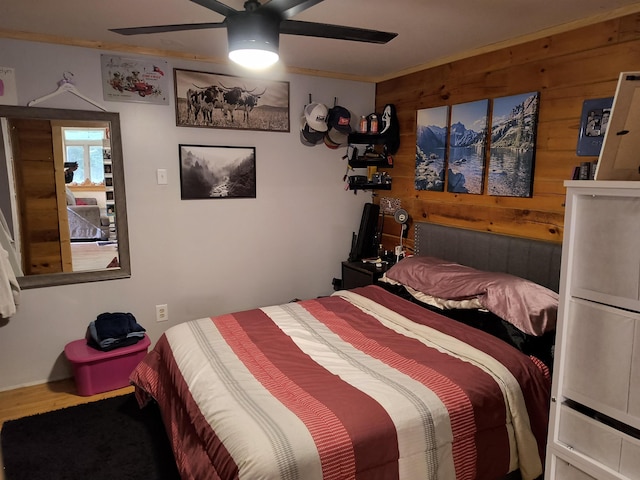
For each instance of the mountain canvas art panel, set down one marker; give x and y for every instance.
(467, 142)
(431, 141)
(513, 141)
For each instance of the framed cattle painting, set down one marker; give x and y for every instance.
(213, 100)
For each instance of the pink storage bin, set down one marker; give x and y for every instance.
(96, 371)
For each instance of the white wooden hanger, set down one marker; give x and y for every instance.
(66, 85)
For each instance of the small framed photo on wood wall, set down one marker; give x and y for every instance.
(593, 126)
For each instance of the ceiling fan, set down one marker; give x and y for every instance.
(256, 29)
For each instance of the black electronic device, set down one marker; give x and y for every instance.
(357, 179)
(366, 244)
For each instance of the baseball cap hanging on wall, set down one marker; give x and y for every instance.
(319, 124)
(316, 115)
(313, 123)
(339, 119)
(334, 138)
(309, 136)
(339, 127)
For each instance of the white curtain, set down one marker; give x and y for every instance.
(9, 270)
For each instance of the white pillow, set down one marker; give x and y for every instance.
(441, 303)
(71, 199)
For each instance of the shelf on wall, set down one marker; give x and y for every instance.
(368, 138)
(364, 162)
(370, 186)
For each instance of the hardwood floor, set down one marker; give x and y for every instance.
(91, 256)
(46, 397)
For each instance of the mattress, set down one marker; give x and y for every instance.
(358, 385)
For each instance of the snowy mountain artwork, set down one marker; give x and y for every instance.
(431, 141)
(513, 141)
(467, 143)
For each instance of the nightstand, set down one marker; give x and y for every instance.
(360, 274)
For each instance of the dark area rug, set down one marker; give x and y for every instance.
(108, 439)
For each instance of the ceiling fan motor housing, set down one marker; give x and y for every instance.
(259, 30)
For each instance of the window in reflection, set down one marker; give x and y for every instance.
(84, 149)
(89, 192)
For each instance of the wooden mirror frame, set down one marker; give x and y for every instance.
(124, 271)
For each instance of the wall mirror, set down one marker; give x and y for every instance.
(62, 195)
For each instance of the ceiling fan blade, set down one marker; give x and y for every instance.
(167, 28)
(289, 8)
(323, 30)
(216, 6)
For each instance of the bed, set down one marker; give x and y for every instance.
(537, 261)
(362, 384)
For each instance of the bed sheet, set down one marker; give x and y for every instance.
(541, 347)
(359, 385)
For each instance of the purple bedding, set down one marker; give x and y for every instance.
(528, 306)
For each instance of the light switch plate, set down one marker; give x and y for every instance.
(162, 176)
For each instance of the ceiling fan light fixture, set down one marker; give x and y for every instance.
(253, 40)
(254, 58)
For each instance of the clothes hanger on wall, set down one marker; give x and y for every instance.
(66, 85)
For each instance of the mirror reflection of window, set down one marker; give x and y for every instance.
(86, 148)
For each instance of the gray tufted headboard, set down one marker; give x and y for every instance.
(534, 260)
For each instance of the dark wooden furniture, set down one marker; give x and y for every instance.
(360, 274)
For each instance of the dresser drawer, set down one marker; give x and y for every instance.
(634, 387)
(607, 255)
(564, 471)
(630, 459)
(590, 437)
(598, 355)
(602, 443)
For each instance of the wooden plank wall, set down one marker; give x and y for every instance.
(566, 69)
(36, 183)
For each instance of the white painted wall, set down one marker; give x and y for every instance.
(204, 257)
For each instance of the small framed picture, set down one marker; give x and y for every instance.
(217, 172)
(135, 79)
(593, 126)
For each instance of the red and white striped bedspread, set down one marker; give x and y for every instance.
(359, 385)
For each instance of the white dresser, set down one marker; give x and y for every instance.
(594, 428)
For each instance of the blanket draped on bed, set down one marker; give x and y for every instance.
(359, 385)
